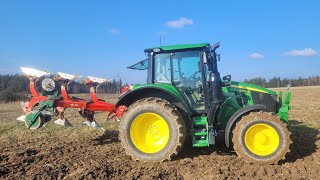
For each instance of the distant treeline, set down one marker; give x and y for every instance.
(283, 82)
(108, 87)
(15, 87)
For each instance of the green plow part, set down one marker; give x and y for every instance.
(285, 106)
(33, 118)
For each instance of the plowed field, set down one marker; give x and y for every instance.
(56, 152)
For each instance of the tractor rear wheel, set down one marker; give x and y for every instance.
(261, 138)
(152, 129)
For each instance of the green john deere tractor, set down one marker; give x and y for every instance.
(185, 98)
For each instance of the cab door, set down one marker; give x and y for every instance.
(188, 79)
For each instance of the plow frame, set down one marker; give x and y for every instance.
(61, 103)
(36, 98)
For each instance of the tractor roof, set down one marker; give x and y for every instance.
(177, 47)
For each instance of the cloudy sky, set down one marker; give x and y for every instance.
(101, 38)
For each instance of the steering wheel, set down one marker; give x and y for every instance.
(162, 77)
(193, 75)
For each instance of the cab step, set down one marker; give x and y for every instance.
(201, 133)
(200, 143)
(200, 136)
(199, 121)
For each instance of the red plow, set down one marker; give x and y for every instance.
(41, 108)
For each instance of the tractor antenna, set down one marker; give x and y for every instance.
(160, 39)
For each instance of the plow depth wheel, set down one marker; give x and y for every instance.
(37, 123)
(262, 138)
(152, 130)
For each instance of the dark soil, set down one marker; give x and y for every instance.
(101, 157)
(56, 152)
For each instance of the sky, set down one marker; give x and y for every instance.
(101, 38)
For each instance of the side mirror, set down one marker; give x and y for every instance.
(227, 78)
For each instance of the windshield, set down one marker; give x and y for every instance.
(142, 65)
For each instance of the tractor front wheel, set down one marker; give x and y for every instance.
(152, 130)
(261, 138)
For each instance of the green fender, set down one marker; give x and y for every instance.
(163, 91)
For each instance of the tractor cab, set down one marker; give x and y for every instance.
(191, 69)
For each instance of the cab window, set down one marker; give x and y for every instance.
(162, 68)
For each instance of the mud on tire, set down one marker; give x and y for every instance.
(168, 113)
(268, 120)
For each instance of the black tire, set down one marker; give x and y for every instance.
(277, 152)
(172, 118)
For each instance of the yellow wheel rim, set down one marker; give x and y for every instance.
(149, 133)
(261, 139)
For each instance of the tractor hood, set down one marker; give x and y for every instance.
(251, 87)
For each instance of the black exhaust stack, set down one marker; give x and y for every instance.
(215, 85)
